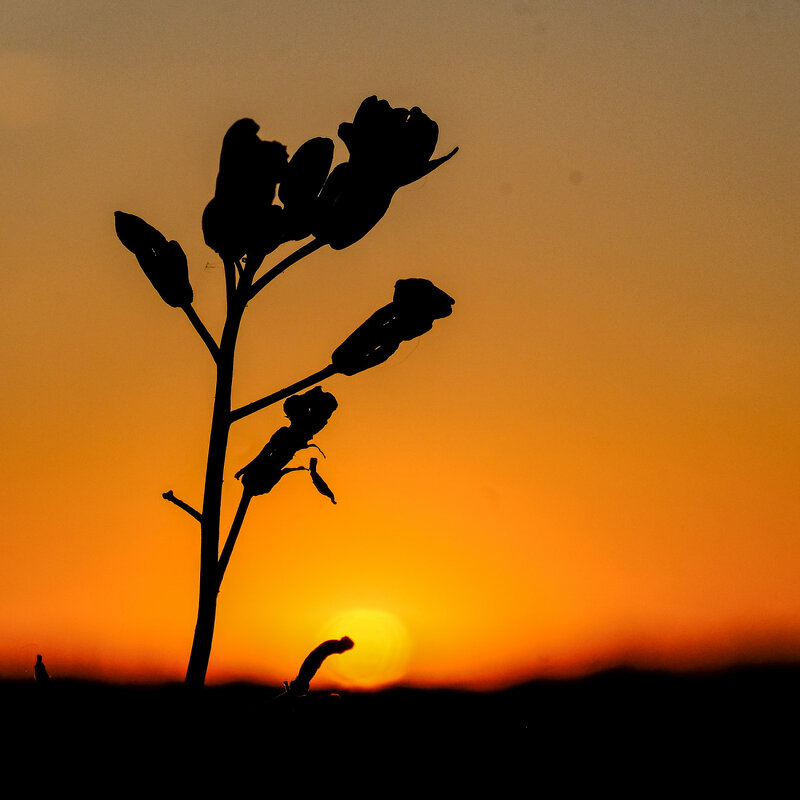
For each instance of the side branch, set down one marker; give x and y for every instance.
(192, 512)
(281, 394)
(236, 526)
(281, 266)
(202, 330)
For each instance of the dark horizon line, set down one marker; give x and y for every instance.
(621, 670)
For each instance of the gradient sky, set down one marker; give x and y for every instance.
(595, 459)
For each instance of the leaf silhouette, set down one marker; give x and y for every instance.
(318, 482)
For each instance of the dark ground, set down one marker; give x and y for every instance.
(635, 733)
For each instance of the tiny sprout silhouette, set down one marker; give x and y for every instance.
(388, 149)
(40, 671)
(301, 684)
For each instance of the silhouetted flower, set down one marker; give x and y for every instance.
(417, 303)
(308, 414)
(421, 303)
(241, 217)
(163, 262)
(389, 148)
(249, 168)
(395, 142)
(301, 184)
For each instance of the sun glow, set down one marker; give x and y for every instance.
(381, 650)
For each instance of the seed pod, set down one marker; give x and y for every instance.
(318, 482)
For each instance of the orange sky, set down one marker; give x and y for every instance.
(595, 458)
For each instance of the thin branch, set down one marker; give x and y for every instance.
(287, 262)
(230, 282)
(252, 264)
(192, 512)
(236, 526)
(257, 405)
(212, 346)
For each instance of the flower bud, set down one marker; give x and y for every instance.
(351, 204)
(308, 414)
(422, 303)
(423, 133)
(262, 474)
(163, 262)
(233, 230)
(220, 231)
(370, 344)
(389, 148)
(306, 172)
(310, 411)
(249, 168)
(136, 234)
(416, 305)
(301, 184)
(241, 219)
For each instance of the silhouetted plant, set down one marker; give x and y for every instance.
(389, 148)
(40, 672)
(313, 661)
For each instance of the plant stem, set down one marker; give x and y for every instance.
(257, 405)
(212, 500)
(236, 526)
(202, 330)
(211, 567)
(192, 512)
(287, 262)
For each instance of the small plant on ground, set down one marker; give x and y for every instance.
(388, 149)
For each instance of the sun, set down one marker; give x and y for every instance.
(381, 650)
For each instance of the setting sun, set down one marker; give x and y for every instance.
(381, 650)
